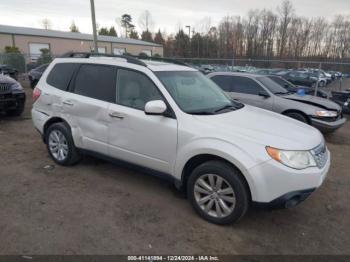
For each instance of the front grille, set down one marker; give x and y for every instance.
(320, 155)
(5, 87)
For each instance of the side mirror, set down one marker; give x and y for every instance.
(263, 94)
(155, 107)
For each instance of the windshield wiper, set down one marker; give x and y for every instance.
(201, 112)
(282, 93)
(225, 107)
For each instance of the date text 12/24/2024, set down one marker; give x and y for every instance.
(173, 258)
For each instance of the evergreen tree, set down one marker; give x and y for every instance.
(73, 27)
(158, 38)
(146, 36)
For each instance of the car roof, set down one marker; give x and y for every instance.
(235, 74)
(164, 66)
(152, 65)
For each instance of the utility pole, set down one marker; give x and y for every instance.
(189, 37)
(318, 79)
(189, 30)
(93, 18)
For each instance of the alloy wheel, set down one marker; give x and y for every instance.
(58, 145)
(214, 195)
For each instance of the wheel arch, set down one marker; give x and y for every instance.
(199, 159)
(299, 112)
(51, 121)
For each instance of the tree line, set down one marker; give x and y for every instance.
(265, 34)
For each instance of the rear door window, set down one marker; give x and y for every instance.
(61, 74)
(96, 81)
(225, 82)
(245, 85)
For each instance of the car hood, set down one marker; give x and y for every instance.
(314, 101)
(6, 79)
(263, 127)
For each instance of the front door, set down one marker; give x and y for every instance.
(146, 140)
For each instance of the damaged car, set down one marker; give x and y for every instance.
(263, 92)
(12, 96)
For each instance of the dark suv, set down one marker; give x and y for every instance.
(9, 70)
(12, 96)
(35, 74)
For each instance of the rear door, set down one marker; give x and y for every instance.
(55, 88)
(250, 92)
(86, 106)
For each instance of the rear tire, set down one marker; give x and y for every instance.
(231, 190)
(297, 116)
(60, 145)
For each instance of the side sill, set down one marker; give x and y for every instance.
(126, 164)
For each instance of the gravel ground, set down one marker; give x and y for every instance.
(100, 208)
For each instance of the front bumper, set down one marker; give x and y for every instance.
(325, 126)
(272, 181)
(287, 200)
(9, 101)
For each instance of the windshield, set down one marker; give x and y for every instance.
(196, 94)
(282, 82)
(272, 86)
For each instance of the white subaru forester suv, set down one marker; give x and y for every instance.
(174, 122)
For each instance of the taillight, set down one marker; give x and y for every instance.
(36, 94)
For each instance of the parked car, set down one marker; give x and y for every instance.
(322, 74)
(12, 96)
(35, 74)
(176, 123)
(9, 70)
(303, 78)
(342, 99)
(295, 89)
(261, 91)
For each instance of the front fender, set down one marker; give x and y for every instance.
(239, 157)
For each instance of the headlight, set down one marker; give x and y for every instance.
(324, 113)
(294, 159)
(16, 87)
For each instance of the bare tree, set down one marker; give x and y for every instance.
(46, 23)
(268, 34)
(146, 22)
(286, 12)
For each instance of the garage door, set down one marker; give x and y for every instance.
(34, 50)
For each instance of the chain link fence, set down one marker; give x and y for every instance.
(23, 63)
(271, 66)
(251, 65)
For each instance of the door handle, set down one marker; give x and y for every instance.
(68, 103)
(116, 115)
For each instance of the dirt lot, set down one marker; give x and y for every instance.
(100, 208)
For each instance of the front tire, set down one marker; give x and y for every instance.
(218, 193)
(297, 116)
(60, 145)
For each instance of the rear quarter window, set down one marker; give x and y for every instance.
(61, 74)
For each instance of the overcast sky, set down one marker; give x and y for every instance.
(168, 15)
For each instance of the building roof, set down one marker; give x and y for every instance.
(70, 35)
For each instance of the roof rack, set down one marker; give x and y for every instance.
(129, 59)
(162, 59)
